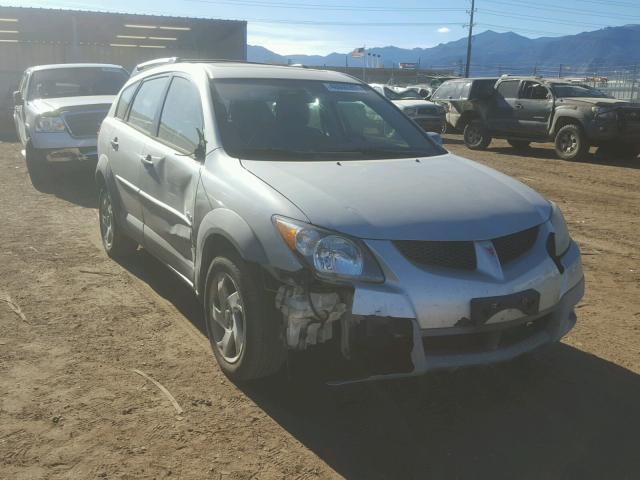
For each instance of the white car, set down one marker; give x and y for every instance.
(430, 116)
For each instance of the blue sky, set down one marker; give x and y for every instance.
(374, 23)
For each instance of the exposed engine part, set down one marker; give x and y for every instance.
(308, 316)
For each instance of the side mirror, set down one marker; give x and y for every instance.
(17, 98)
(435, 137)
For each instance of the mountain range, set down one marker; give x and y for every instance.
(495, 52)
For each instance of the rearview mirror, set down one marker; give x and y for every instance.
(17, 98)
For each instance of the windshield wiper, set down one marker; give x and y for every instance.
(241, 152)
(383, 152)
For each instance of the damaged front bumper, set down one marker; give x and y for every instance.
(421, 319)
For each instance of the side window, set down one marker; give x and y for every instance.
(146, 103)
(181, 116)
(443, 91)
(125, 100)
(534, 91)
(508, 88)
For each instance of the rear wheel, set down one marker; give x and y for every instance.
(39, 168)
(476, 136)
(243, 326)
(519, 144)
(571, 143)
(115, 242)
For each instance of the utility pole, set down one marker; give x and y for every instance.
(468, 66)
(560, 72)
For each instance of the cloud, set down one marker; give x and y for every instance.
(444, 30)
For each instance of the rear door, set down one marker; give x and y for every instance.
(170, 176)
(501, 116)
(534, 108)
(128, 132)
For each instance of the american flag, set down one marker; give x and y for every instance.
(358, 53)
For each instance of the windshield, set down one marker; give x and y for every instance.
(568, 91)
(266, 119)
(76, 82)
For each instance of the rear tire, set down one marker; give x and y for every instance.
(115, 242)
(476, 136)
(519, 144)
(39, 168)
(571, 143)
(242, 323)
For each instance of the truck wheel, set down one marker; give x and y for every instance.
(519, 144)
(476, 136)
(243, 326)
(571, 143)
(115, 242)
(39, 168)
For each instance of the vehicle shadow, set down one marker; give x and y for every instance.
(73, 182)
(540, 152)
(559, 413)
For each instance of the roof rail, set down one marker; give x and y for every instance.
(168, 60)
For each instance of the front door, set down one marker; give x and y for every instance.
(501, 116)
(533, 109)
(170, 177)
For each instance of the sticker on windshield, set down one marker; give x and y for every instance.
(344, 87)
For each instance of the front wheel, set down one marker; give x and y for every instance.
(476, 136)
(242, 324)
(115, 242)
(39, 168)
(571, 143)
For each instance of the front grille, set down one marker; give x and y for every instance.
(460, 255)
(84, 124)
(629, 114)
(515, 245)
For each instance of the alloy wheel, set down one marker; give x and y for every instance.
(227, 317)
(106, 220)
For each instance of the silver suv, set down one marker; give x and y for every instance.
(304, 208)
(58, 111)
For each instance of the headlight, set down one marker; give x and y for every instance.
(561, 233)
(604, 113)
(410, 111)
(50, 124)
(330, 255)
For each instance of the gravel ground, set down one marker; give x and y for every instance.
(74, 325)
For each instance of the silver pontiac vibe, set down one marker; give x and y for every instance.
(304, 208)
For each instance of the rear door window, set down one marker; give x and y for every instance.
(125, 100)
(181, 116)
(146, 105)
(509, 88)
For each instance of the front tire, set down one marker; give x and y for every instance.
(476, 136)
(115, 242)
(571, 143)
(39, 168)
(242, 324)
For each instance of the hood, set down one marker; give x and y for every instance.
(593, 101)
(439, 198)
(45, 105)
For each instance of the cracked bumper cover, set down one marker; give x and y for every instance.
(434, 302)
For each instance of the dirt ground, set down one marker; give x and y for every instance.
(74, 324)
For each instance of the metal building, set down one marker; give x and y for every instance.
(36, 36)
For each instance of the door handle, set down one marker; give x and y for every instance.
(146, 159)
(519, 106)
(114, 143)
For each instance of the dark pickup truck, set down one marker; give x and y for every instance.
(573, 116)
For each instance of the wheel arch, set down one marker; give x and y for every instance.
(222, 229)
(565, 119)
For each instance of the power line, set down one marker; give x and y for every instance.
(316, 6)
(555, 8)
(540, 19)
